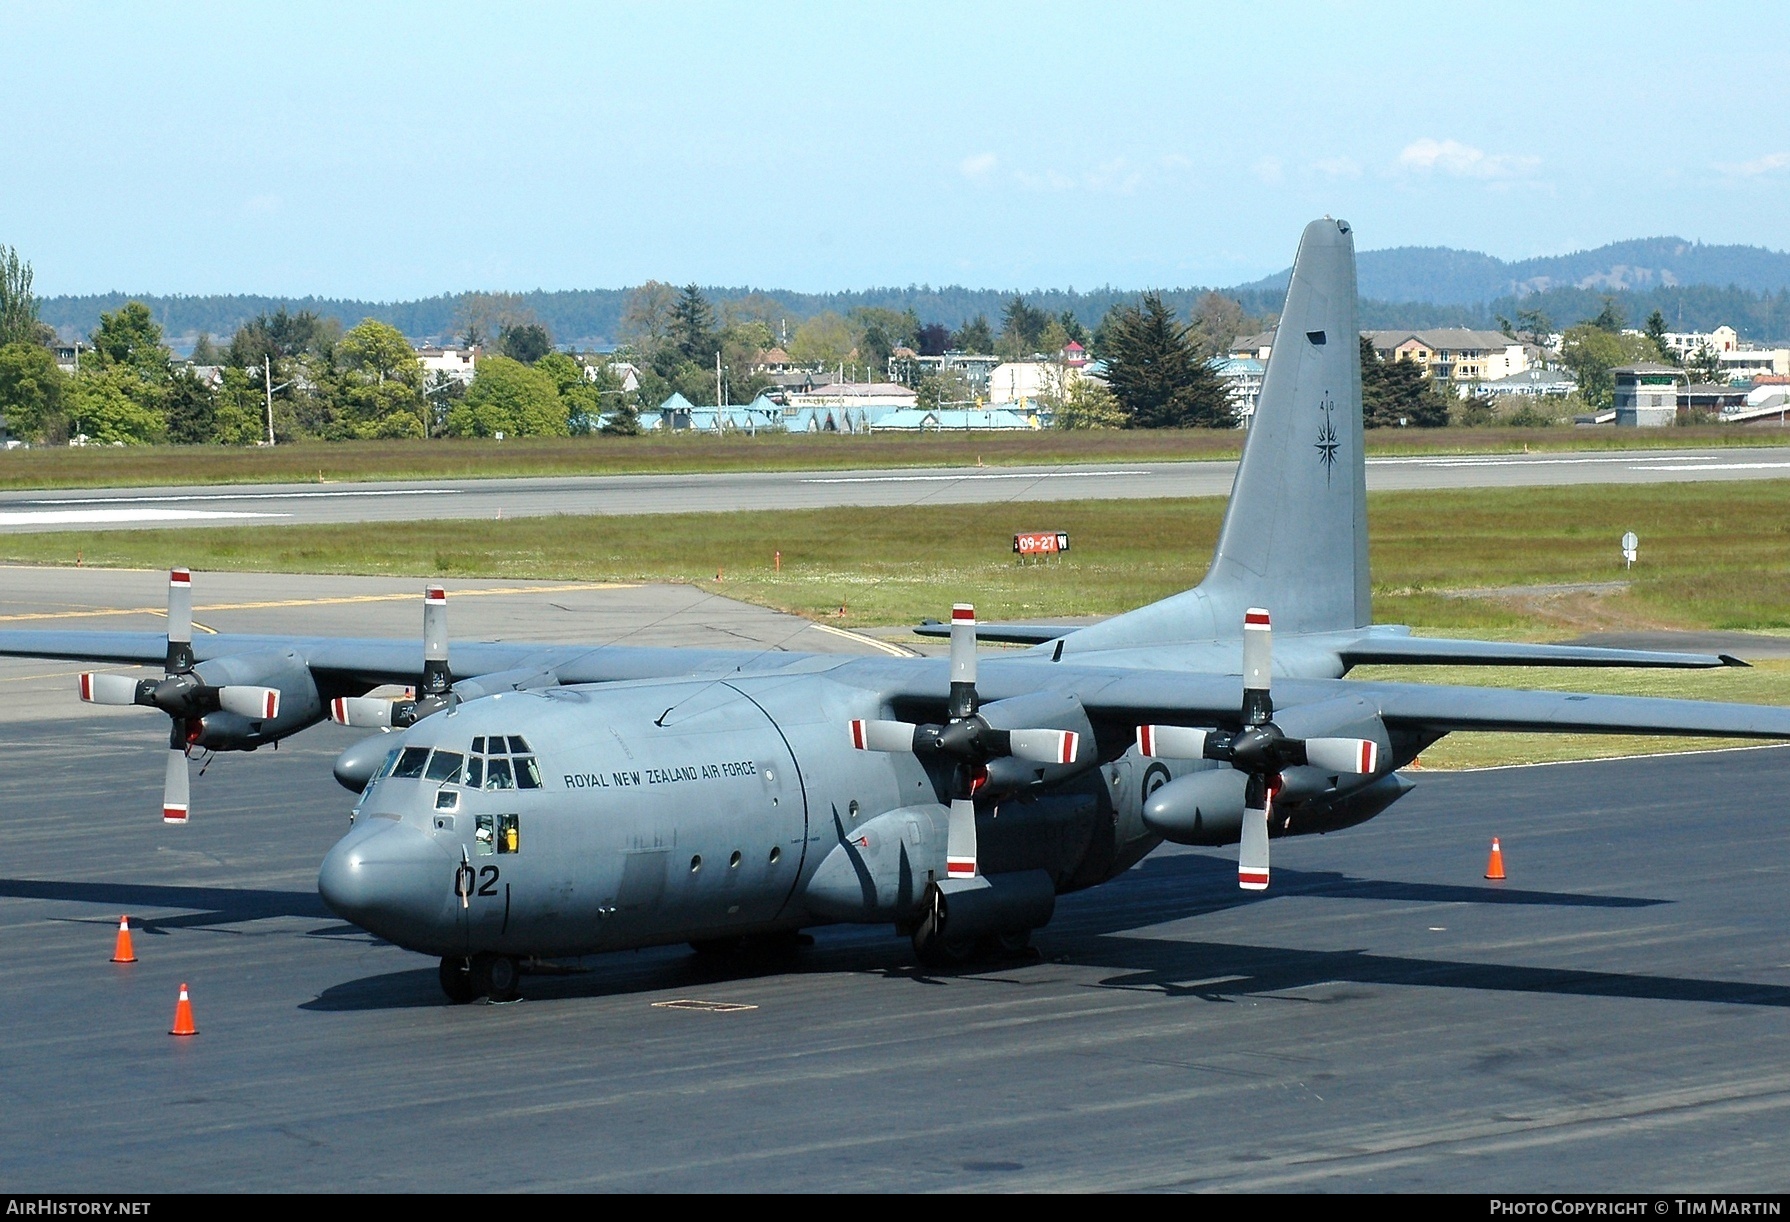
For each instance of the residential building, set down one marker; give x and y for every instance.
(1242, 376)
(1747, 362)
(973, 367)
(1688, 343)
(1455, 355)
(459, 364)
(1647, 395)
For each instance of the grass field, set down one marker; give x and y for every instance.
(311, 462)
(1713, 555)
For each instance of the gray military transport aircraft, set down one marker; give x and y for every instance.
(542, 802)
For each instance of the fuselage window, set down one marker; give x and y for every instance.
(444, 766)
(410, 763)
(497, 775)
(527, 775)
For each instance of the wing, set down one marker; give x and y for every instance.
(1419, 651)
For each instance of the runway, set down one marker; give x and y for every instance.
(273, 504)
(1613, 1017)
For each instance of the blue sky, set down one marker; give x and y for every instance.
(394, 151)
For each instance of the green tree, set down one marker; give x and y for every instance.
(526, 342)
(31, 392)
(237, 412)
(277, 337)
(1089, 405)
(1153, 372)
(1609, 318)
(1398, 394)
(826, 339)
(380, 351)
(1072, 328)
(1217, 322)
(1705, 365)
(881, 332)
(111, 405)
(1655, 330)
(131, 336)
(18, 304)
(442, 391)
(1536, 325)
(206, 352)
(511, 398)
(190, 409)
(1591, 352)
(1022, 330)
(974, 336)
(646, 318)
(1475, 411)
(693, 326)
(945, 388)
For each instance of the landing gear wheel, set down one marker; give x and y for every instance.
(931, 944)
(1010, 943)
(496, 976)
(456, 980)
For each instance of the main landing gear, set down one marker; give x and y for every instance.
(493, 977)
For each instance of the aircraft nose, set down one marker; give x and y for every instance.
(390, 879)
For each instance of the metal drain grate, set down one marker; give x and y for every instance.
(713, 1007)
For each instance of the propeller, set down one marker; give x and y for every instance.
(182, 694)
(433, 693)
(1259, 749)
(967, 740)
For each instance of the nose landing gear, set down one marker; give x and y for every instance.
(493, 977)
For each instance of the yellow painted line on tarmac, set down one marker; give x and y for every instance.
(340, 600)
(859, 637)
(54, 674)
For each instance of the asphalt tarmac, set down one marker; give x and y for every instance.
(273, 504)
(1615, 1016)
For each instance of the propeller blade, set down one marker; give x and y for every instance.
(255, 703)
(1358, 755)
(1252, 853)
(367, 711)
(174, 786)
(108, 689)
(1258, 664)
(960, 840)
(1171, 742)
(180, 622)
(883, 735)
(963, 660)
(436, 677)
(1044, 746)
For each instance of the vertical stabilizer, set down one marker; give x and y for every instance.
(1295, 532)
(1294, 538)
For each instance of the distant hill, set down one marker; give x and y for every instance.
(1441, 276)
(1695, 286)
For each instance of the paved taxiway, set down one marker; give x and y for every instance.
(1615, 1016)
(139, 508)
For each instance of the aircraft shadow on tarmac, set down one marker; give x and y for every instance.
(207, 905)
(1095, 929)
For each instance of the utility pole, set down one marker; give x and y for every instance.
(720, 401)
(267, 385)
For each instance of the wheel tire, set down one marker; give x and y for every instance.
(1010, 942)
(498, 977)
(456, 981)
(931, 945)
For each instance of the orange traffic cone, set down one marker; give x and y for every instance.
(183, 1016)
(1494, 866)
(122, 952)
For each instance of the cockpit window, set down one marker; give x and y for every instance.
(518, 745)
(391, 761)
(497, 775)
(410, 764)
(478, 746)
(475, 772)
(527, 775)
(444, 766)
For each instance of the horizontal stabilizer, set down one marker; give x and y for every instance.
(1427, 651)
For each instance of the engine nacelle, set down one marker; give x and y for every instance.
(882, 867)
(300, 705)
(1200, 808)
(969, 908)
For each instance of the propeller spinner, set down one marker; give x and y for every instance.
(434, 691)
(967, 740)
(182, 694)
(1259, 749)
